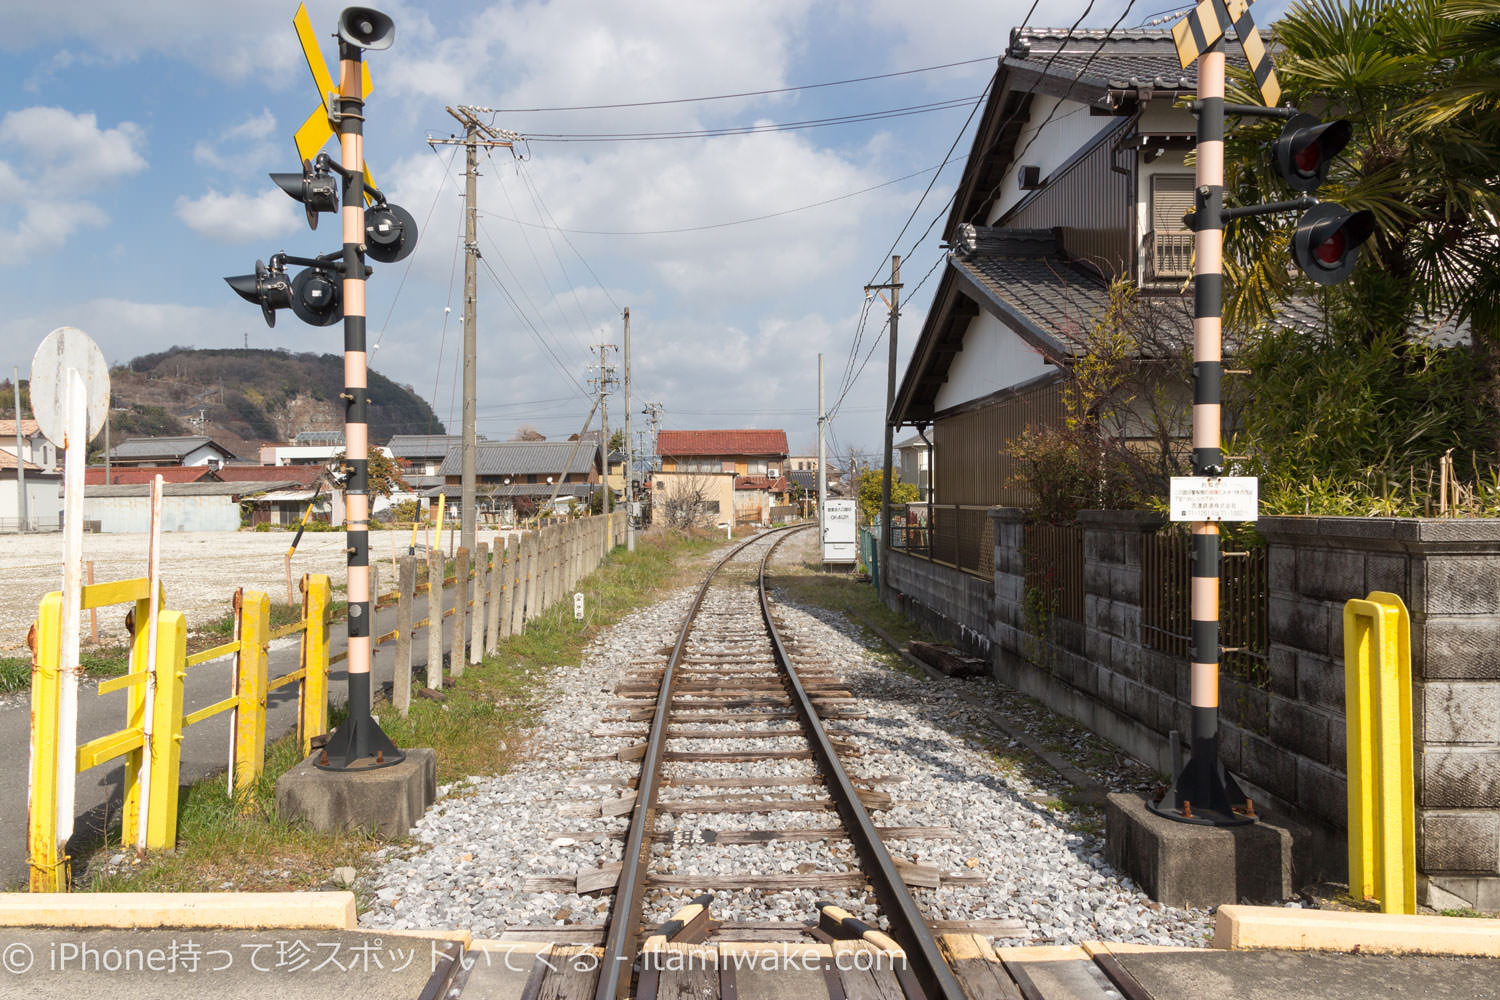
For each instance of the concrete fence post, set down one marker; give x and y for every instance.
(481, 589)
(435, 619)
(460, 609)
(406, 594)
(498, 555)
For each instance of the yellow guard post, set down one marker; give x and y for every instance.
(1377, 705)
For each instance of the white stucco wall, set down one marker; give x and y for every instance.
(1070, 130)
(994, 357)
(42, 500)
(117, 514)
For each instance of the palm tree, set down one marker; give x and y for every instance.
(1424, 159)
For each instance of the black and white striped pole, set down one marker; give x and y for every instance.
(359, 741)
(1203, 792)
(1325, 246)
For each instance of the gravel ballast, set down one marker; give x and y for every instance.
(926, 743)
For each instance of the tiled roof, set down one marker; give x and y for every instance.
(129, 475)
(1028, 280)
(1125, 59)
(28, 428)
(203, 489)
(523, 458)
(680, 444)
(487, 491)
(164, 447)
(422, 445)
(805, 478)
(305, 474)
(777, 485)
(8, 461)
(318, 437)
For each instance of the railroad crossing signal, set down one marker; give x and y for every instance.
(1207, 24)
(314, 133)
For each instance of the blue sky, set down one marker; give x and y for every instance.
(135, 141)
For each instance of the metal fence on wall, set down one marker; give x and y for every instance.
(1166, 580)
(956, 535)
(1053, 556)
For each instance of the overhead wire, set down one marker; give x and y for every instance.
(747, 93)
(536, 334)
(757, 129)
(411, 259)
(737, 222)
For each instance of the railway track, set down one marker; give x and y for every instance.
(737, 732)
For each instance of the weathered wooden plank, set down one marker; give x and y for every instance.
(575, 973)
(786, 880)
(866, 973)
(685, 971)
(979, 971)
(457, 634)
(406, 599)
(435, 620)
(800, 834)
(602, 879)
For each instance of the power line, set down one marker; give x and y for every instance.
(734, 222)
(747, 93)
(714, 133)
(532, 327)
(564, 233)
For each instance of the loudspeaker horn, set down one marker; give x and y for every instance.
(366, 28)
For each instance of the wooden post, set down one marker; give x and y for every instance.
(406, 599)
(435, 618)
(507, 600)
(498, 583)
(374, 603)
(456, 634)
(481, 588)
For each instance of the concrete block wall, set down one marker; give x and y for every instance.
(1448, 574)
(953, 605)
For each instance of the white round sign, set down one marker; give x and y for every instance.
(63, 349)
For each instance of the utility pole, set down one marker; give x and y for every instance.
(605, 381)
(629, 448)
(883, 543)
(476, 135)
(822, 457)
(22, 513)
(653, 410)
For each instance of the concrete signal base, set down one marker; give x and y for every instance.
(387, 800)
(1183, 864)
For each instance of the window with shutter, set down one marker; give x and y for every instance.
(1171, 241)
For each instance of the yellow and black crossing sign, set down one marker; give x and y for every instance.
(314, 133)
(1208, 22)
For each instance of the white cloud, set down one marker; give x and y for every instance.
(54, 155)
(243, 147)
(237, 217)
(125, 329)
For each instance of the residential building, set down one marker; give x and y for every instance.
(756, 458)
(35, 448)
(422, 454)
(195, 449)
(43, 494)
(506, 471)
(802, 463)
(1077, 175)
(913, 461)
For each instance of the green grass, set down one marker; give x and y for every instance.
(15, 673)
(478, 728)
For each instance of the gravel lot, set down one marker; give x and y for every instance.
(200, 571)
(484, 838)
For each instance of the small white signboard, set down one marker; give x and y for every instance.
(1227, 498)
(840, 532)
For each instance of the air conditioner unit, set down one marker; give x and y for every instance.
(1172, 254)
(773, 472)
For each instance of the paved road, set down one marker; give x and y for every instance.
(205, 746)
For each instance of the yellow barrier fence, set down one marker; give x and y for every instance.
(526, 580)
(1377, 706)
(158, 698)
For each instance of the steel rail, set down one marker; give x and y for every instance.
(908, 927)
(622, 937)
